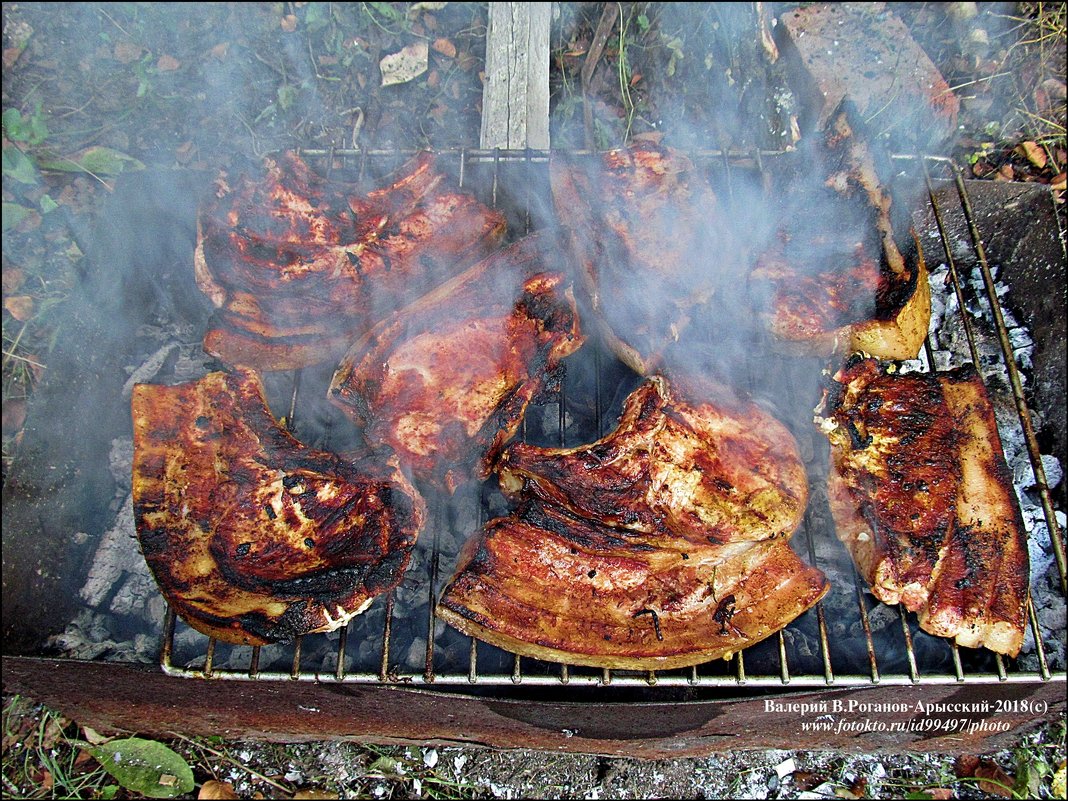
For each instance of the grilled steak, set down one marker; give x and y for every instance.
(253, 537)
(923, 499)
(707, 468)
(546, 584)
(299, 267)
(834, 278)
(445, 381)
(645, 231)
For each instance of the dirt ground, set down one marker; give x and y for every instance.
(93, 90)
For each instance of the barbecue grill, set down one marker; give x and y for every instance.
(397, 673)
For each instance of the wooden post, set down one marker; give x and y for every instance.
(515, 98)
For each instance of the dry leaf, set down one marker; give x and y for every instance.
(168, 63)
(938, 793)
(19, 306)
(965, 765)
(125, 52)
(994, 780)
(14, 415)
(1033, 152)
(13, 279)
(93, 737)
(220, 50)
(1005, 173)
(46, 781)
(1057, 788)
(409, 62)
(289, 23)
(313, 795)
(445, 47)
(1058, 182)
(214, 790)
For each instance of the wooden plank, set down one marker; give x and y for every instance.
(515, 98)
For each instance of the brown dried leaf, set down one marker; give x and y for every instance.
(125, 52)
(938, 793)
(214, 790)
(313, 795)
(20, 307)
(1033, 152)
(804, 780)
(93, 737)
(13, 279)
(1058, 182)
(1005, 173)
(220, 50)
(445, 47)
(965, 765)
(14, 415)
(994, 780)
(46, 780)
(168, 63)
(289, 23)
(407, 63)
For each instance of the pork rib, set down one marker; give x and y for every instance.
(923, 499)
(709, 467)
(253, 537)
(546, 584)
(299, 267)
(445, 381)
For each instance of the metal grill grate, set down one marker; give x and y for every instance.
(848, 639)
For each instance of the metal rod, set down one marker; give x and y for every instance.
(254, 662)
(209, 658)
(873, 661)
(166, 650)
(517, 670)
(472, 665)
(958, 669)
(914, 674)
(339, 670)
(295, 672)
(1022, 409)
(1036, 632)
(387, 630)
(784, 666)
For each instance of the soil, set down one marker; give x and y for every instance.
(92, 90)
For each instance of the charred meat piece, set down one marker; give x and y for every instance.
(298, 267)
(546, 584)
(834, 278)
(696, 464)
(253, 537)
(445, 381)
(923, 499)
(649, 240)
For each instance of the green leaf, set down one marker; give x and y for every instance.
(18, 166)
(109, 792)
(13, 214)
(146, 767)
(95, 160)
(316, 16)
(13, 124)
(643, 22)
(47, 204)
(286, 95)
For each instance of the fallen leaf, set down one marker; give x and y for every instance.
(96, 160)
(184, 152)
(433, 79)
(407, 63)
(13, 279)
(804, 780)
(47, 781)
(21, 308)
(1005, 173)
(938, 793)
(1058, 181)
(993, 780)
(1057, 788)
(93, 737)
(289, 23)
(1033, 152)
(313, 795)
(168, 63)
(635, 78)
(220, 50)
(11, 55)
(965, 765)
(445, 47)
(146, 766)
(14, 415)
(125, 52)
(214, 790)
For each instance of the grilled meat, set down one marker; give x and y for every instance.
(546, 584)
(701, 465)
(661, 545)
(299, 267)
(445, 381)
(923, 499)
(834, 278)
(253, 537)
(644, 229)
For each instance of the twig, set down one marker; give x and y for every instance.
(593, 55)
(233, 761)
